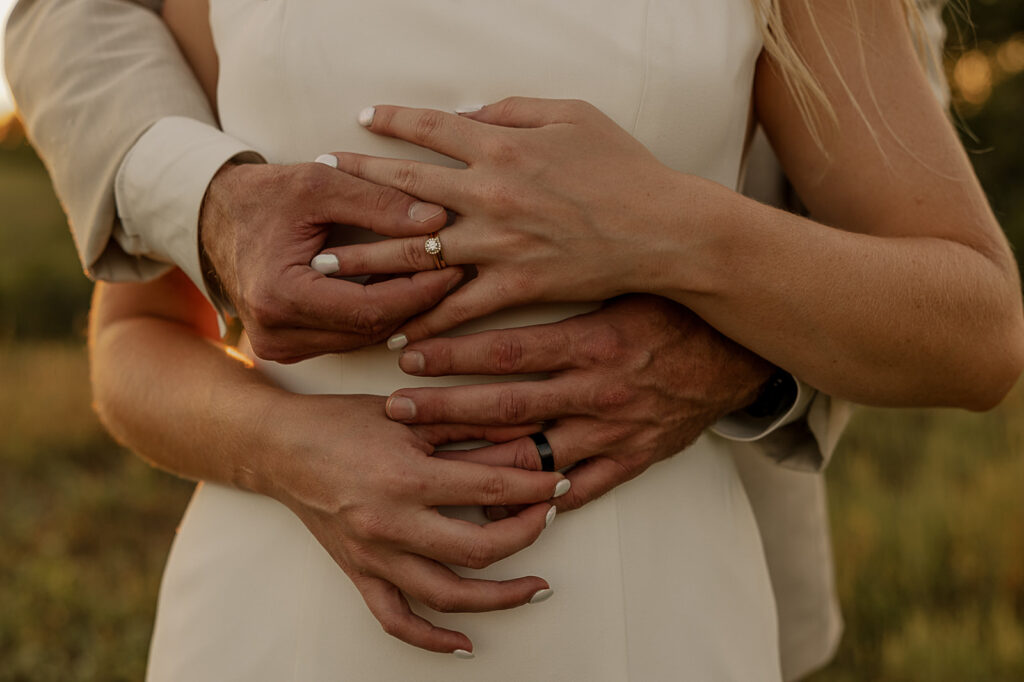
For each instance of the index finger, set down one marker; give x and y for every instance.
(445, 133)
(523, 350)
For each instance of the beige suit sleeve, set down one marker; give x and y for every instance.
(90, 77)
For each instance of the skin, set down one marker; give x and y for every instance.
(919, 258)
(373, 520)
(261, 224)
(375, 514)
(913, 300)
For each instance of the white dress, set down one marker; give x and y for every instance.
(663, 578)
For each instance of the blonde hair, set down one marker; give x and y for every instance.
(807, 93)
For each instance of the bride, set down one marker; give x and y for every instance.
(905, 293)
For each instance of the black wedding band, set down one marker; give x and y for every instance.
(547, 457)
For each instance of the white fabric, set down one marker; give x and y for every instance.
(742, 427)
(179, 156)
(662, 579)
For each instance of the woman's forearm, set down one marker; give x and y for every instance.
(880, 320)
(175, 397)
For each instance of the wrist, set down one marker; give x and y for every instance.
(262, 466)
(696, 239)
(215, 236)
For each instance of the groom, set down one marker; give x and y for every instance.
(133, 186)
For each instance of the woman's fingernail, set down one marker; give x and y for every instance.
(462, 653)
(328, 160)
(325, 264)
(366, 116)
(398, 342)
(412, 362)
(562, 487)
(541, 595)
(421, 211)
(550, 516)
(400, 408)
(470, 109)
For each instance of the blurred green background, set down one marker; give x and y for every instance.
(927, 506)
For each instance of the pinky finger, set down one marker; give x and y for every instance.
(390, 607)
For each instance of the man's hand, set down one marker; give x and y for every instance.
(629, 385)
(260, 227)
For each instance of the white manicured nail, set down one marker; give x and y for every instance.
(562, 487)
(366, 118)
(462, 653)
(541, 595)
(328, 160)
(325, 264)
(470, 109)
(398, 342)
(549, 517)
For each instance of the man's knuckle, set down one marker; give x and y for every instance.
(312, 178)
(511, 407)
(369, 320)
(507, 353)
(603, 346)
(381, 199)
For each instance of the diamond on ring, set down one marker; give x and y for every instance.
(433, 248)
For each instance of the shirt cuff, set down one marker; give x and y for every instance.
(159, 190)
(742, 427)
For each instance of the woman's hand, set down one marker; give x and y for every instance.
(367, 489)
(365, 486)
(555, 204)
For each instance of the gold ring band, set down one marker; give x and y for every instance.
(433, 247)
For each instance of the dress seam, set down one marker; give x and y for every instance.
(622, 582)
(644, 66)
(301, 607)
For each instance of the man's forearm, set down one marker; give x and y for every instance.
(90, 77)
